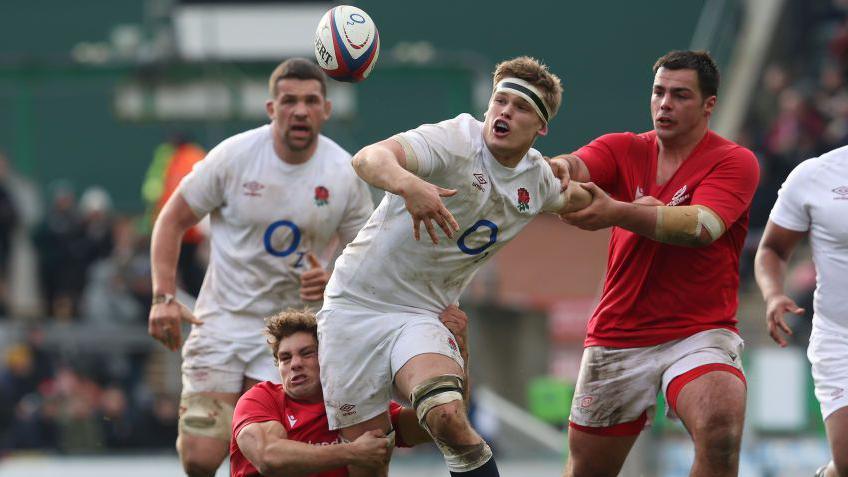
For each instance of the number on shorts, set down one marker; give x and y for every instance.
(493, 237)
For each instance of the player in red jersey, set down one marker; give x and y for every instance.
(678, 202)
(283, 428)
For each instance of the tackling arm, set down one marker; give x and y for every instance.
(267, 447)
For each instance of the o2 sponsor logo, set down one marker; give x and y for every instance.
(292, 248)
(480, 224)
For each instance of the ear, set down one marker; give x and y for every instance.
(328, 108)
(543, 131)
(709, 104)
(269, 108)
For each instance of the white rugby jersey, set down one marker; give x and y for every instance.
(385, 269)
(265, 215)
(814, 198)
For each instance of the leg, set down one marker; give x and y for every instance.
(712, 407)
(437, 397)
(204, 432)
(591, 454)
(837, 435)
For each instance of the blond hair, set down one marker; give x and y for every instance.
(536, 73)
(286, 323)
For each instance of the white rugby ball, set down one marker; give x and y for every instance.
(347, 43)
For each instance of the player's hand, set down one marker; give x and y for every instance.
(165, 323)
(776, 307)
(561, 171)
(424, 203)
(314, 280)
(370, 450)
(648, 200)
(601, 213)
(457, 322)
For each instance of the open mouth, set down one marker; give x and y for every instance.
(298, 379)
(664, 122)
(301, 129)
(500, 128)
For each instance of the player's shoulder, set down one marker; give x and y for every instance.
(243, 144)
(331, 151)
(266, 388)
(727, 148)
(835, 157)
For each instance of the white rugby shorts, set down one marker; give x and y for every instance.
(828, 355)
(361, 350)
(215, 364)
(617, 385)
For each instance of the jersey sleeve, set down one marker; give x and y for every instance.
(435, 147)
(256, 405)
(791, 210)
(203, 188)
(554, 200)
(602, 157)
(394, 414)
(357, 210)
(729, 188)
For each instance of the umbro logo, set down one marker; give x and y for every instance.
(841, 193)
(253, 188)
(480, 180)
(347, 409)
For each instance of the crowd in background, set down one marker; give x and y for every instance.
(93, 262)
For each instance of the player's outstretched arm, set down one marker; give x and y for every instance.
(384, 165)
(770, 264)
(690, 225)
(165, 319)
(267, 447)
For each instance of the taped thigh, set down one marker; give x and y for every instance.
(203, 415)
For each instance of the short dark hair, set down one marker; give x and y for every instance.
(297, 68)
(700, 61)
(286, 323)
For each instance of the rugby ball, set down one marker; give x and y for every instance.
(347, 43)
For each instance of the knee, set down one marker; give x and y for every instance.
(449, 424)
(199, 460)
(719, 437)
(840, 463)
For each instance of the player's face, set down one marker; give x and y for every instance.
(677, 105)
(297, 356)
(511, 126)
(298, 112)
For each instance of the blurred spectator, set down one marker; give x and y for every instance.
(95, 208)
(172, 161)
(61, 257)
(9, 219)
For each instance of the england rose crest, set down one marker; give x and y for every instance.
(523, 199)
(322, 196)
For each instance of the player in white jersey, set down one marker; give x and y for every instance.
(281, 198)
(814, 201)
(481, 183)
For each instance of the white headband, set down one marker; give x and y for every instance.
(528, 92)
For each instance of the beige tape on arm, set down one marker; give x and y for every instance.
(411, 158)
(683, 225)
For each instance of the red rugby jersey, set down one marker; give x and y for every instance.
(655, 292)
(304, 422)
